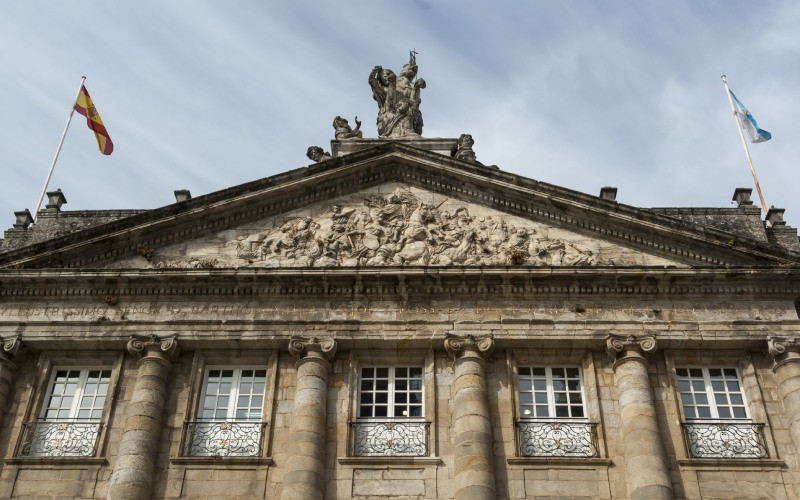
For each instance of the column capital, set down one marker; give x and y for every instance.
(144, 345)
(622, 348)
(311, 348)
(783, 350)
(11, 346)
(468, 346)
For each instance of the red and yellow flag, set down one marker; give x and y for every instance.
(85, 106)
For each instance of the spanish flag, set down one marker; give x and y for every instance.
(85, 106)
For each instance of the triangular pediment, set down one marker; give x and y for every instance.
(395, 204)
(393, 224)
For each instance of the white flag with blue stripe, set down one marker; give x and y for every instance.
(749, 123)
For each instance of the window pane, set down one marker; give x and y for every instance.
(738, 412)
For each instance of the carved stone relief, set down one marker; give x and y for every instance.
(393, 225)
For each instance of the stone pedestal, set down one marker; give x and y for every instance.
(8, 350)
(134, 467)
(785, 354)
(472, 428)
(645, 460)
(304, 478)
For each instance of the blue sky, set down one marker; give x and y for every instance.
(204, 95)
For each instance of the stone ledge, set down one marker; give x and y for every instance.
(555, 462)
(57, 461)
(731, 463)
(381, 462)
(216, 460)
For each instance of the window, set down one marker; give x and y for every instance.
(390, 413)
(229, 418)
(70, 419)
(552, 414)
(717, 420)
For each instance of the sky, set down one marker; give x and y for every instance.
(204, 95)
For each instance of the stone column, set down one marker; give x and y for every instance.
(645, 460)
(304, 478)
(134, 467)
(8, 351)
(785, 354)
(473, 443)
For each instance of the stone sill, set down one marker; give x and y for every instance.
(543, 462)
(206, 461)
(731, 463)
(400, 462)
(57, 461)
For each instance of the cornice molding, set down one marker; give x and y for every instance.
(636, 228)
(394, 282)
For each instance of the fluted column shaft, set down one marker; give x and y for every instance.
(304, 478)
(786, 356)
(472, 426)
(8, 350)
(134, 467)
(645, 460)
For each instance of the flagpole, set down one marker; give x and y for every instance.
(58, 151)
(744, 143)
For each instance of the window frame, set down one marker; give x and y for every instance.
(710, 393)
(391, 393)
(45, 367)
(204, 360)
(75, 407)
(235, 388)
(551, 392)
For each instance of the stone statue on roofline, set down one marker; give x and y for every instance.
(317, 154)
(343, 131)
(398, 99)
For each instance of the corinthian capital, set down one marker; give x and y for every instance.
(310, 347)
(459, 346)
(141, 345)
(783, 349)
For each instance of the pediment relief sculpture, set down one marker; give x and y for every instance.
(404, 226)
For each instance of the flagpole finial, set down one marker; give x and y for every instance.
(724, 78)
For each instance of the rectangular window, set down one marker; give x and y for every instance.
(393, 392)
(390, 413)
(714, 393)
(553, 419)
(70, 419)
(717, 420)
(547, 392)
(229, 418)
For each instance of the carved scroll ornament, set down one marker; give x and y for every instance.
(140, 345)
(311, 347)
(459, 346)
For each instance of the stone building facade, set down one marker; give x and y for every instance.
(400, 321)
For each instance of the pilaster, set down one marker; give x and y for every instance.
(645, 459)
(304, 478)
(785, 354)
(10, 347)
(472, 428)
(134, 469)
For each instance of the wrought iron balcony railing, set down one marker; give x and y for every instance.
(62, 438)
(557, 438)
(205, 438)
(390, 438)
(725, 439)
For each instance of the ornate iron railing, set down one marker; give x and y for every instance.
(725, 439)
(205, 438)
(62, 438)
(390, 438)
(557, 438)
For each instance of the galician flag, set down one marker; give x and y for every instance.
(85, 106)
(749, 123)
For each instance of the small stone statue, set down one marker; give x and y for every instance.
(343, 130)
(317, 154)
(464, 150)
(398, 100)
